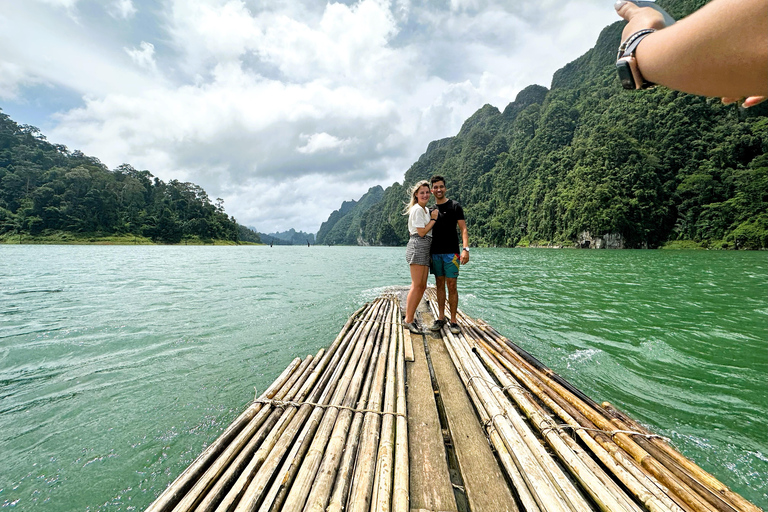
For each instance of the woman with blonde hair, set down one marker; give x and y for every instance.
(420, 224)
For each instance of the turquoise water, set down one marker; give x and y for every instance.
(118, 364)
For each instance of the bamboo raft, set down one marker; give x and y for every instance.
(383, 420)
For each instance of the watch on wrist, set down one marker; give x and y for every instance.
(466, 249)
(626, 64)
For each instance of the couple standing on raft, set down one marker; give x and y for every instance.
(433, 244)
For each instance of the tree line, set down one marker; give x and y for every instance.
(45, 188)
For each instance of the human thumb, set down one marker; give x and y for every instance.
(626, 9)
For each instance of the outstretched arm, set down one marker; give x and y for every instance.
(719, 50)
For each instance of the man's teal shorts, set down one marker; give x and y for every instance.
(445, 265)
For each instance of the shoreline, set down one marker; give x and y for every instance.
(91, 239)
(71, 239)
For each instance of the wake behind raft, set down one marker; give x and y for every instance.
(383, 420)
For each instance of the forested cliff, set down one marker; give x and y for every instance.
(589, 161)
(46, 188)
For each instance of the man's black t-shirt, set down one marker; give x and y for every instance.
(445, 239)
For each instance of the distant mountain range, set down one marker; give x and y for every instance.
(290, 237)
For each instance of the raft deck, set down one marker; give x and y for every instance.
(388, 421)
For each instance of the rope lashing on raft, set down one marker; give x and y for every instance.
(283, 403)
(610, 433)
(382, 322)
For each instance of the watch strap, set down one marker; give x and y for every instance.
(627, 48)
(627, 53)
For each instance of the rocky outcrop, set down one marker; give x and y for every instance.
(607, 241)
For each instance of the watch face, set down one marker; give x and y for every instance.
(625, 73)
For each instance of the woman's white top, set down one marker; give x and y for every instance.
(418, 217)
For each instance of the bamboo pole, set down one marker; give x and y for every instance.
(245, 458)
(321, 373)
(321, 465)
(638, 483)
(408, 343)
(258, 487)
(179, 487)
(224, 446)
(344, 474)
(362, 481)
(384, 465)
(551, 489)
(284, 479)
(252, 435)
(661, 449)
(660, 495)
(401, 488)
(608, 496)
(676, 488)
(508, 463)
(546, 492)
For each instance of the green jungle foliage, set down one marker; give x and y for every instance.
(586, 156)
(344, 225)
(45, 189)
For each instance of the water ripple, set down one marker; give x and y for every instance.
(111, 387)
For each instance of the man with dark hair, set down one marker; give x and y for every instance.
(446, 256)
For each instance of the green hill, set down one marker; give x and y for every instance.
(345, 226)
(50, 193)
(587, 163)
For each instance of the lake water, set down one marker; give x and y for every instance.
(118, 364)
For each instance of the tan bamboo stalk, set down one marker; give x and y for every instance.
(321, 372)
(677, 488)
(521, 487)
(608, 496)
(321, 463)
(707, 494)
(346, 466)
(278, 491)
(362, 480)
(179, 487)
(252, 435)
(546, 493)
(384, 465)
(550, 487)
(245, 459)
(401, 490)
(549, 484)
(638, 483)
(338, 463)
(660, 497)
(257, 485)
(660, 449)
(231, 449)
(408, 342)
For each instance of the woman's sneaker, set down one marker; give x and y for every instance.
(412, 327)
(437, 325)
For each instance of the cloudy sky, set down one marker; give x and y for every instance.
(283, 108)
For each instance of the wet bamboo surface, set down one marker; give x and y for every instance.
(383, 420)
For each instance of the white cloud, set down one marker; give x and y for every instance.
(122, 9)
(272, 104)
(143, 57)
(62, 53)
(12, 78)
(321, 142)
(66, 4)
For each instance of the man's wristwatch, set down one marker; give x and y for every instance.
(466, 249)
(626, 64)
